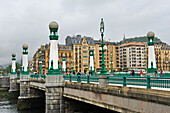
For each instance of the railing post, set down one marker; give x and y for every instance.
(148, 82)
(70, 77)
(78, 78)
(88, 80)
(124, 81)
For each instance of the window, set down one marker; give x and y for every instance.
(85, 52)
(85, 47)
(85, 60)
(85, 56)
(85, 65)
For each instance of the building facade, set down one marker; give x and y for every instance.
(162, 54)
(132, 56)
(125, 57)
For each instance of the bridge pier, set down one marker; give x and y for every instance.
(24, 87)
(13, 83)
(54, 94)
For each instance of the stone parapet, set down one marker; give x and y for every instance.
(137, 95)
(102, 80)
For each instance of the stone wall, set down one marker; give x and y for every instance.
(118, 98)
(4, 82)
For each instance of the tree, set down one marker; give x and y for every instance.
(8, 69)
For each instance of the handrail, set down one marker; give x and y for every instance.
(145, 81)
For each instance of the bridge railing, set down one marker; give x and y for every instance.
(82, 78)
(158, 82)
(4, 75)
(148, 82)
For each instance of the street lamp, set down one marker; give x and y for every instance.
(111, 63)
(73, 66)
(40, 62)
(91, 67)
(103, 70)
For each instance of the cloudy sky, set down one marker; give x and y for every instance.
(26, 21)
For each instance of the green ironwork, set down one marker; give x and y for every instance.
(43, 76)
(103, 70)
(53, 32)
(40, 63)
(25, 51)
(150, 41)
(148, 82)
(24, 72)
(88, 79)
(124, 81)
(78, 78)
(64, 71)
(18, 75)
(53, 71)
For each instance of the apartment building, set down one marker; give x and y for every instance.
(162, 54)
(132, 56)
(67, 52)
(80, 47)
(111, 47)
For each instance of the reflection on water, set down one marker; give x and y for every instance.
(8, 107)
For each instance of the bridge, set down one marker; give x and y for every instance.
(117, 93)
(127, 94)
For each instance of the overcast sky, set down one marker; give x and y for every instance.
(26, 21)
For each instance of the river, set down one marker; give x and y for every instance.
(7, 106)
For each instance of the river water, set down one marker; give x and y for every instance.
(7, 106)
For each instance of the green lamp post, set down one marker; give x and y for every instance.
(73, 67)
(91, 67)
(111, 63)
(13, 70)
(40, 62)
(103, 70)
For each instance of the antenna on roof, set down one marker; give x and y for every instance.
(124, 38)
(109, 40)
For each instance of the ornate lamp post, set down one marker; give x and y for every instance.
(25, 69)
(54, 68)
(151, 54)
(103, 70)
(111, 63)
(40, 62)
(91, 70)
(13, 71)
(73, 66)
